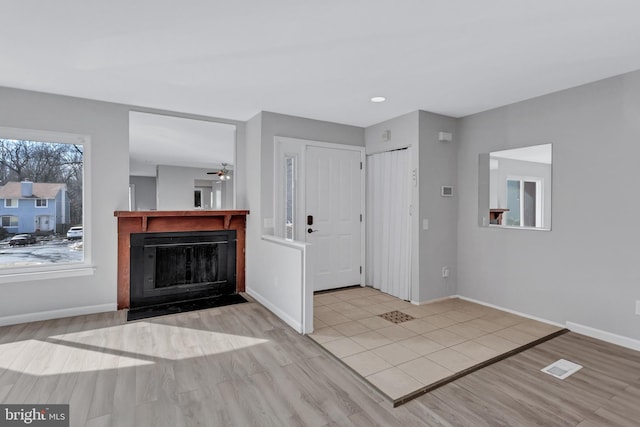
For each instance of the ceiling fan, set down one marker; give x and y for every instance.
(223, 173)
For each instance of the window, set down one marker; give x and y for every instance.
(49, 167)
(132, 197)
(217, 203)
(9, 221)
(289, 196)
(524, 201)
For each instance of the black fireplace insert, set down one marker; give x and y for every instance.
(172, 267)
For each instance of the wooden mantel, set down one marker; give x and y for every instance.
(169, 221)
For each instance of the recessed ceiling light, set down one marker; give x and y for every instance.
(378, 99)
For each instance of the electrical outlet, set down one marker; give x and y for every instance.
(445, 272)
(638, 307)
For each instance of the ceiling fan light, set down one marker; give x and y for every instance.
(223, 174)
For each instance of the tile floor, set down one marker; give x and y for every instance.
(403, 359)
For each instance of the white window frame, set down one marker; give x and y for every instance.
(285, 148)
(539, 197)
(10, 216)
(58, 270)
(11, 206)
(46, 203)
(294, 221)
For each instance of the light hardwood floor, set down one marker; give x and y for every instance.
(240, 365)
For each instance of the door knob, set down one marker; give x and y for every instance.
(310, 230)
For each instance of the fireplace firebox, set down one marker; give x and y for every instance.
(172, 267)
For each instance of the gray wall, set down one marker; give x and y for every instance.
(145, 189)
(438, 244)
(108, 126)
(583, 271)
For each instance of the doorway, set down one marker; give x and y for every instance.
(320, 200)
(389, 222)
(44, 223)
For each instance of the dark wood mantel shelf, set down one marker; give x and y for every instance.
(170, 221)
(181, 216)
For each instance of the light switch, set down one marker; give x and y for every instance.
(425, 224)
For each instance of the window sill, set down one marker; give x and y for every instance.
(46, 274)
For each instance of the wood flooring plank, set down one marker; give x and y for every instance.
(107, 366)
(25, 374)
(47, 378)
(124, 406)
(610, 418)
(528, 384)
(83, 391)
(103, 421)
(11, 354)
(513, 400)
(4, 391)
(233, 395)
(11, 334)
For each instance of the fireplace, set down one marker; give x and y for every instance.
(172, 267)
(132, 223)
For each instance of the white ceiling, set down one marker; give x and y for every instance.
(318, 59)
(534, 153)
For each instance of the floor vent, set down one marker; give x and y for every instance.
(396, 316)
(562, 369)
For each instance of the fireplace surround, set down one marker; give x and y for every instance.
(149, 222)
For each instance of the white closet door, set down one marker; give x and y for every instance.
(388, 249)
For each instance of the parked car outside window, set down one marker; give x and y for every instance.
(75, 233)
(22, 240)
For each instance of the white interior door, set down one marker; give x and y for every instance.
(333, 200)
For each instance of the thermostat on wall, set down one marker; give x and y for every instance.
(446, 191)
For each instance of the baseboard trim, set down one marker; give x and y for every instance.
(517, 313)
(609, 337)
(275, 310)
(56, 314)
(429, 301)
